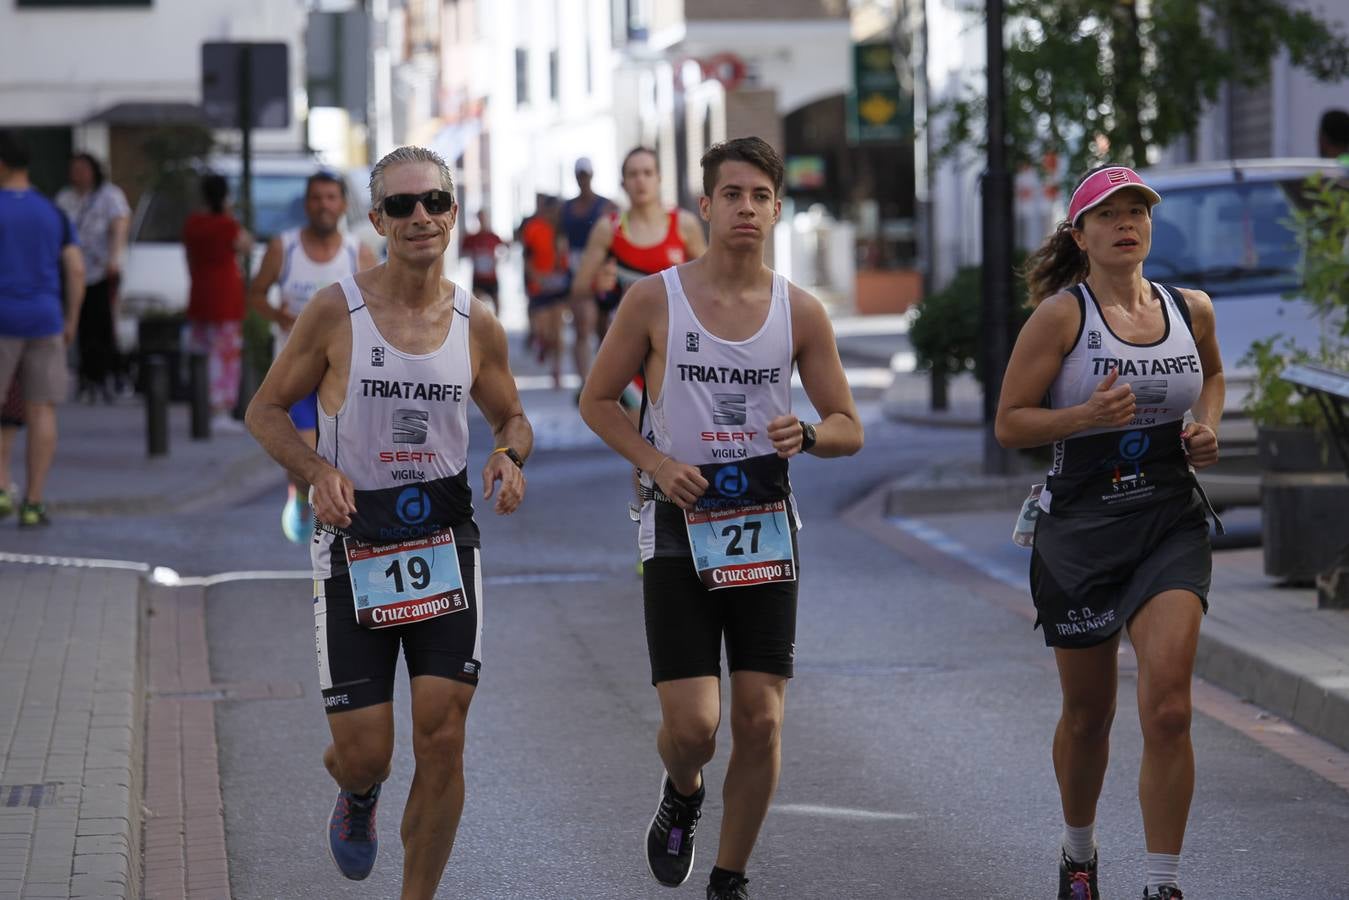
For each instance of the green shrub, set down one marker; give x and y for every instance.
(947, 334)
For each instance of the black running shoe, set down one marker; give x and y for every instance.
(736, 888)
(1077, 881)
(669, 839)
(1165, 892)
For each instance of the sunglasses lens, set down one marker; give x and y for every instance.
(437, 202)
(400, 206)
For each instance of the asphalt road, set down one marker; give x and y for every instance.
(916, 758)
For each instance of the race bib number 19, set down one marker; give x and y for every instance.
(742, 546)
(410, 581)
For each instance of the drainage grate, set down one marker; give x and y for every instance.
(34, 795)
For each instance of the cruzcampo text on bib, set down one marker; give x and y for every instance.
(742, 545)
(406, 582)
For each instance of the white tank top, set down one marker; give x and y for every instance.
(301, 277)
(401, 436)
(1144, 460)
(716, 400)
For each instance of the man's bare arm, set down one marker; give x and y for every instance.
(495, 393)
(295, 374)
(592, 258)
(269, 270)
(72, 271)
(621, 356)
(839, 433)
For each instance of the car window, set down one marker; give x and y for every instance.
(1232, 238)
(278, 204)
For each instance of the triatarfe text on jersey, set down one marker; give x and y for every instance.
(1165, 365)
(728, 374)
(411, 390)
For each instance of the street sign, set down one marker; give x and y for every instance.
(880, 111)
(227, 66)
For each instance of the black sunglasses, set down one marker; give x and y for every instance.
(400, 206)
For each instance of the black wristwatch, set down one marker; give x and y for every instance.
(808, 437)
(511, 455)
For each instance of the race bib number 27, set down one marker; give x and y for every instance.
(742, 546)
(410, 581)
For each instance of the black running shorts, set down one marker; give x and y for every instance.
(357, 664)
(685, 623)
(1090, 574)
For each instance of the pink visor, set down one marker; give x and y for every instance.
(1100, 185)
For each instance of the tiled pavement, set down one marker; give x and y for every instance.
(70, 731)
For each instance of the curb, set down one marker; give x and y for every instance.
(252, 472)
(1316, 701)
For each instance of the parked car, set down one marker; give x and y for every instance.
(1225, 228)
(155, 277)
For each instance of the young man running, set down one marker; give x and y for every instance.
(301, 261)
(395, 353)
(718, 338)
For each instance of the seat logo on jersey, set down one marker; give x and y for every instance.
(728, 409)
(410, 426)
(691, 341)
(377, 356)
(1149, 391)
(730, 481)
(413, 506)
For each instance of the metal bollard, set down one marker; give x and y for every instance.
(156, 405)
(200, 382)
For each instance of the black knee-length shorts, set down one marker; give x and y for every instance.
(1090, 574)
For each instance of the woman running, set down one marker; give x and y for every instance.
(1124, 378)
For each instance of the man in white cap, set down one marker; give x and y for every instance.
(579, 215)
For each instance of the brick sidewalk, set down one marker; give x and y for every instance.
(70, 730)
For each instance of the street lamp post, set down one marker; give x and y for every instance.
(997, 245)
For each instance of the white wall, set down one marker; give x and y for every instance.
(59, 66)
(956, 55)
(803, 61)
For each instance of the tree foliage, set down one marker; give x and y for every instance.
(1103, 80)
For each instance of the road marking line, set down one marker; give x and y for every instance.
(80, 561)
(843, 812)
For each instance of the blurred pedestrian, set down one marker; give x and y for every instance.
(11, 421)
(300, 262)
(577, 218)
(1332, 137)
(1121, 536)
(102, 217)
(213, 240)
(41, 289)
(547, 282)
(482, 247)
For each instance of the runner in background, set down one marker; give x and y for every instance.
(482, 247)
(578, 218)
(547, 282)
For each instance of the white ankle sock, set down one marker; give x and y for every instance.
(1080, 843)
(1163, 868)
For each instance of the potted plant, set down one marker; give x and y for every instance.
(1303, 488)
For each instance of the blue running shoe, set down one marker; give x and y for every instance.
(297, 519)
(352, 841)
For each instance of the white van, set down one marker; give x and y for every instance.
(155, 277)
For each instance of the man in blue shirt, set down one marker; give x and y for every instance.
(41, 289)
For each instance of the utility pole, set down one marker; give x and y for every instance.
(997, 240)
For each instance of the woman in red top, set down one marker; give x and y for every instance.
(213, 239)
